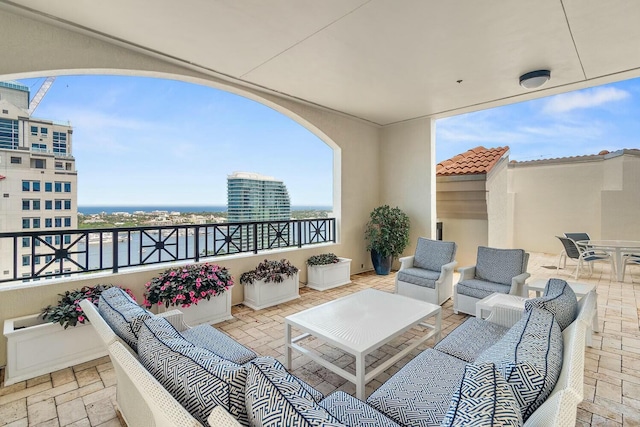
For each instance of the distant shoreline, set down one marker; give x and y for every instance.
(91, 210)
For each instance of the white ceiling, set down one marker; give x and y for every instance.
(384, 61)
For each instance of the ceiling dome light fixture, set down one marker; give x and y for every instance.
(535, 79)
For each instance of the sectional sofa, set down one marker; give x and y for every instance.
(485, 371)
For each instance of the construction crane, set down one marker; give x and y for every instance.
(35, 101)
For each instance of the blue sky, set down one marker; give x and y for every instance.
(143, 141)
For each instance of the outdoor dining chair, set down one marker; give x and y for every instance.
(582, 255)
(631, 259)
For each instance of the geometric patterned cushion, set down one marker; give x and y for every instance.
(470, 339)
(529, 357)
(122, 314)
(420, 393)
(198, 379)
(354, 412)
(480, 289)
(500, 265)
(559, 299)
(433, 254)
(483, 399)
(274, 397)
(419, 277)
(218, 342)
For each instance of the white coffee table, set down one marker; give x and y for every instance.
(580, 289)
(359, 324)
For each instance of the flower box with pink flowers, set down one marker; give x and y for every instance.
(198, 290)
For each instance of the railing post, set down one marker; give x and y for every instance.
(300, 232)
(114, 245)
(196, 243)
(255, 237)
(333, 229)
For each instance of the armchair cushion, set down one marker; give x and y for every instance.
(480, 289)
(433, 254)
(529, 357)
(469, 340)
(419, 276)
(219, 343)
(274, 397)
(122, 314)
(484, 398)
(500, 265)
(354, 412)
(559, 299)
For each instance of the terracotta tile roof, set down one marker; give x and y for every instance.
(601, 154)
(475, 161)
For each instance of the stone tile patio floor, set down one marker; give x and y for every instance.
(85, 394)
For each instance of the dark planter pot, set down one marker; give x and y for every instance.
(382, 264)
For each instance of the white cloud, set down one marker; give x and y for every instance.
(584, 99)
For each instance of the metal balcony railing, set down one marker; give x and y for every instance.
(47, 254)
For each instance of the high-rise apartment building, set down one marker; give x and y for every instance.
(255, 197)
(38, 184)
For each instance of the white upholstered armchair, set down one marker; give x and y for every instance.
(496, 270)
(428, 275)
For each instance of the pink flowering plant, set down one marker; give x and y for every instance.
(68, 311)
(183, 286)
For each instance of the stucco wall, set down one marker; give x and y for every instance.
(468, 234)
(498, 214)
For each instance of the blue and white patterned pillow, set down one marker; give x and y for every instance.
(559, 299)
(122, 314)
(529, 357)
(194, 376)
(483, 399)
(276, 398)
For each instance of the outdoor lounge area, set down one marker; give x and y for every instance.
(84, 395)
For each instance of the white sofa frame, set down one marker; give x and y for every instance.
(438, 295)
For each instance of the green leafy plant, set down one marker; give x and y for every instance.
(183, 286)
(323, 259)
(387, 231)
(269, 271)
(68, 311)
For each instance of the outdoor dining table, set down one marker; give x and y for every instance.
(616, 247)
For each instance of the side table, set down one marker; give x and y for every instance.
(487, 304)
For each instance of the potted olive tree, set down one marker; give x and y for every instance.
(387, 235)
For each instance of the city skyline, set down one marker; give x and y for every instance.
(149, 134)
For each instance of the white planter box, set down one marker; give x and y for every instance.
(36, 347)
(321, 277)
(260, 295)
(217, 309)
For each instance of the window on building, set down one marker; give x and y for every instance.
(67, 239)
(26, 205)
(35, 204)
(67, 205)
(36, 222)
(44, 132)
(39, 147)
(48, 239)
(26, 242)
(26, 223)
(26, 185)
(36, 242)
(67, 222)
(36, 260)
(67, 187)
(48, 223)
(48, 187)
(16, 160)
(48, 258)
(34, 130)
(57, 240)
(9, 134)
(59, 142)
(48, 205)
(58, 222)
(58, 205)
(58, 187)
(39, 163)
(59, 166)
(67, 166)
(26, 260)
(35, 185)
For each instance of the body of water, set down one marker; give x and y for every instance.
(90, 210)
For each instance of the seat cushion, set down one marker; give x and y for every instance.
(499, 265)
(559, 299)
(122, 314)
(419, 277)
(433, 254)
(469, 340)
(483, 399)
(529, 357)
(274, 397)
(219, 343)
(354, 412)
(419, 394)
(198, 379)
(476, 288)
